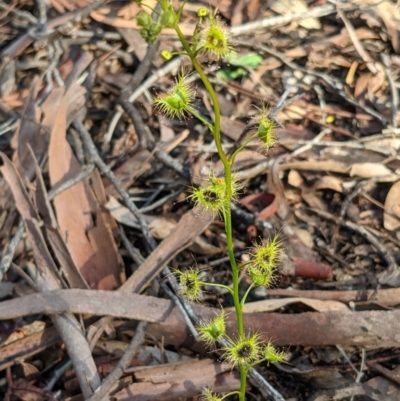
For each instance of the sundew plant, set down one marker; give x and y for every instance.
(211, 42)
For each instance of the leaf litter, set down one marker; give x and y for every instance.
(331, 188)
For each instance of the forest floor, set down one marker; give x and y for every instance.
(95, 208)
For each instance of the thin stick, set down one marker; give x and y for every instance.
(91, 147)
(386, 254)
(57, 189)
(122, 364)
(8, 256)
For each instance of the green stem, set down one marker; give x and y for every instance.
(241, 147)
(243, 379)
(246, 294)
(217, 285)
(229, 394)
(227, 162)
(201, 118)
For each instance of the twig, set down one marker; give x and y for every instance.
(393, 90)
(57, 374)
(21, 43)
(269, 22)
(8, 256)
(260, 382)
(58, 188)
(160, 202)
(133, 252)
(386, 254)
(357, 44)
(9, 9)
(331, 82)
(362, 186)
(147, 139)
(24, 276)
(122, 364)
(91, 147)
(138, 258)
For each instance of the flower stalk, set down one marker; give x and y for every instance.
(211, 40)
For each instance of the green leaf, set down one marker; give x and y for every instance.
(225, 75)
(251, 60)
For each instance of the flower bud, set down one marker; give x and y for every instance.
(168, 19)
(202, 12)
(166, 55)
(208, 395)
(213, 330)
(178, 101)
(143, 19)
(271, 354)
(266, 128)
(259, 276)
(155, 29)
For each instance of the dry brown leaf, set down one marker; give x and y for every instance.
(129, 171)
(328, 182)
(49, 275)
(182, 380)
(79, 216)
(232, 128)
(391, 215)
(70, 272)
(29, 132)
(369, 170)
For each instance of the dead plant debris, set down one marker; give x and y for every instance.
(94, 209)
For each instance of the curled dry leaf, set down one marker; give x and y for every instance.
(369, 170)
(328, 182)
(264, 204)
(391, 215)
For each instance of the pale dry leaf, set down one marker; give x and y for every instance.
(295, 6)
(328, 182)
(385, 145)
(270, 305)
(391, 215)
(369, 170)
(203, 247)
(121, 213)
(161, 226)
(304, 236)
(295, 179)
(317, 165)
